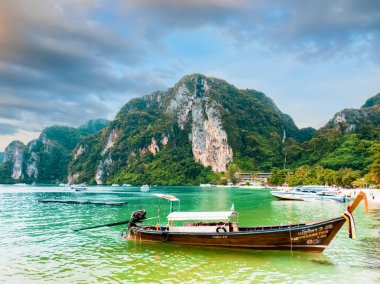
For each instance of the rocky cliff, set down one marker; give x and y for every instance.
(14, 155)
(46, 159)
(348, 120)
(208, 138)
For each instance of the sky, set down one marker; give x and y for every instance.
(67, 61)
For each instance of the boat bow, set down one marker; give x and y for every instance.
(350, 221)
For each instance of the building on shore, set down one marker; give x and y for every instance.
(254, 178)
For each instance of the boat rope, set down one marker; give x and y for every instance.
(291, 242)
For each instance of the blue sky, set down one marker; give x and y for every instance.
(65, 62)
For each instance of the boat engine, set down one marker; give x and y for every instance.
(137, 216)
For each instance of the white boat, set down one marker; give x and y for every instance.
(78, 187)
(145, 188)
(126, 184)
(20, 184)
(206, 185)
(310, 193)
(115, 184)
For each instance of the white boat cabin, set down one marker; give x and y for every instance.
(203, 222)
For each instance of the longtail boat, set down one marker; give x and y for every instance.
(221, 229)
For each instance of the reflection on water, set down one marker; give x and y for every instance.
(36, 247)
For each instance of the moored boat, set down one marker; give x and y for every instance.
(78, 187)
(145, 188)
(311, 193)
(20, 184)
(206, 185)
(221, 229)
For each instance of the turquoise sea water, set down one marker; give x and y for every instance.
(35, 246)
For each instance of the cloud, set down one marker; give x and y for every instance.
(307, 30)
(60, 64)
(7, 129)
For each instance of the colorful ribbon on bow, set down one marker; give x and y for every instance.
(350, 221)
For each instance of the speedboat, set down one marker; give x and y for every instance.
(78, 187)
(205, 185)
(221, 229)
(311, 193)
(145, 188)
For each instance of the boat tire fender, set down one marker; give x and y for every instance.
(165, 236)
(123, 233)
(221, 230)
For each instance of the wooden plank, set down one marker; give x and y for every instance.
(82, 202)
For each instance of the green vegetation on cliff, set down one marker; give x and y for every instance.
(375, 100)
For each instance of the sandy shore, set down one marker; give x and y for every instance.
(373, 195)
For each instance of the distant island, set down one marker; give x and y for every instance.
(202, 130)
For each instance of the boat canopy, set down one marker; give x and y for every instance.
(166, 196)
(182, 216)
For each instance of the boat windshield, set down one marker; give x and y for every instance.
(312, 188)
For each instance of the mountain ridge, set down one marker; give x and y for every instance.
(191, 132)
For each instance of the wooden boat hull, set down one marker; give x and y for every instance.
(308, 237)
(286, 197)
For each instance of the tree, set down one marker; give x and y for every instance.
(291, 151)
(232, 173)
(375, 166)
(303, 175)
(278, 176)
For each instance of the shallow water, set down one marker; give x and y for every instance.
(36, 247)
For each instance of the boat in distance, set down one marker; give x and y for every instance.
(217, 229)
(145, 188)
(78, 187)
(311, 193)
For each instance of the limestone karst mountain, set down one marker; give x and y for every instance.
(185, 134)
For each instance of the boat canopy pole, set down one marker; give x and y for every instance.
(171, 206)
(169, 197)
